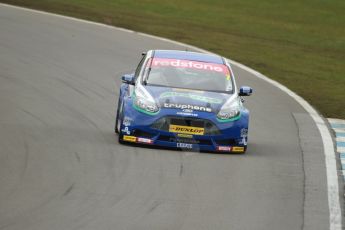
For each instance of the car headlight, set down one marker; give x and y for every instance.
(144, 102)
(230, 111)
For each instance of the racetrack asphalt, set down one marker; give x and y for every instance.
(61, 166)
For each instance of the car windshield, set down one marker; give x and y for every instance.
(188, 74)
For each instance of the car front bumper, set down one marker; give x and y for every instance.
(137, 127)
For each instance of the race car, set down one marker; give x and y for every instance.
(184, 100)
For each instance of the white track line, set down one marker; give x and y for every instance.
(329, 151)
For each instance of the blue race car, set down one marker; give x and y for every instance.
(183, 100)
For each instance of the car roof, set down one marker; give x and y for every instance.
(188, 55)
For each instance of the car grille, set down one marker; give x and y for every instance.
(164, 122)
(141, 133)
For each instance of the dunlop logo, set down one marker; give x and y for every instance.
(186, 130)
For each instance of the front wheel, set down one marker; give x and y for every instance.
(116, 128)
(120, 138)
(117, 122)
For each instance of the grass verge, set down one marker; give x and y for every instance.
(301, 44)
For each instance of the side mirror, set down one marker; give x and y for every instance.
(128, 79)
(245, 91)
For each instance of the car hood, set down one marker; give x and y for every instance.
(188, 100)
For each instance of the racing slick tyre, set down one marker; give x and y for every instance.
(116, 122)
(120, 138)
(116, 128)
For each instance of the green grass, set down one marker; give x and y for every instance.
(298, 43)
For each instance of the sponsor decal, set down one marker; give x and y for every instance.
(186, 130)
(191, 64)
(144, 140)
(244, 135)
(187, 114)
(183, 106)
(184, 145)
(237, 149)
(126, 130)
(127, 121)
(184, 135)
(244, 132)
(192, 96)
(243, 141)
(224, 148)
(129, 138)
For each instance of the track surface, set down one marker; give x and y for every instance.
(62, 168)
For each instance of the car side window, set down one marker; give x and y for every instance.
(137, 71)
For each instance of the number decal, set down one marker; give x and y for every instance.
(184, 145)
